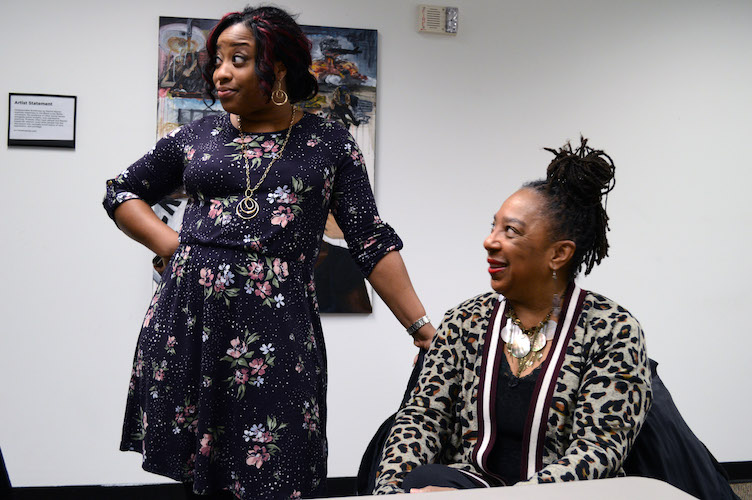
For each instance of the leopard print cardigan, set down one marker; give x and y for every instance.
(591, 398)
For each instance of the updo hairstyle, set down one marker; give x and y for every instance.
(576, 183)
(278, 39)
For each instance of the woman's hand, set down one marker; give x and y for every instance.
(160, 263)
(423, 337)
(429, 489)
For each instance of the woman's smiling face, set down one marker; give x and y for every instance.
(519, 247)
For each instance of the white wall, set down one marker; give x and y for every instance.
(662, 86)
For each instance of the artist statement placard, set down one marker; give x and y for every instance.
(41, 120)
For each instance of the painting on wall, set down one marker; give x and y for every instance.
(344, 63)
(182, 54)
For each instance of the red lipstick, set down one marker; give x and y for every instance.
(495, 266)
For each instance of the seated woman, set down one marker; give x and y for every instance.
(538, 381)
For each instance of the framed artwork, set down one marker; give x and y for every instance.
(345, 65)
(182, 54)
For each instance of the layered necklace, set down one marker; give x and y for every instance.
(248, 207)
(526, 344)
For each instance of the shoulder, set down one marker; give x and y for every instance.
(596, 305)
(460, 333)
(314, 121)
(470, 315)
(608, 322)
(482, 303)
(325, 129)
(208, 126)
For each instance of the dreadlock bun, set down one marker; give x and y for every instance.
(576, 190)
(585, 174)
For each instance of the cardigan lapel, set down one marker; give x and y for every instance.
(540, 403)
(487, 385)
(535, 427)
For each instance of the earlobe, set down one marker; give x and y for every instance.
(280, 71)
(563, 253)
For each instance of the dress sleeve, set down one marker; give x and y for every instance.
(424, 424)
(368, 237)
(157, 174)
(612, 403)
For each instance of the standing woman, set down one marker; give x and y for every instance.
(228, 390)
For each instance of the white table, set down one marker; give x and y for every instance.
(620, 488)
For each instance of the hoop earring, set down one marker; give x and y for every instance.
(279, 96)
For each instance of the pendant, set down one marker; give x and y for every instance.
(247, 208)
(519, 346)
(506, 333)
(539, 342)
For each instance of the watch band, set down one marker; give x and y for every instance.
(418, 324)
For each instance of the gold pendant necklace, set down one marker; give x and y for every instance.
(248, 207)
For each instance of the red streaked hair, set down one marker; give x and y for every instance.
(278, 39)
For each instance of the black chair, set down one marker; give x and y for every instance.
(666, 449)
(366, 479)
(5, 487)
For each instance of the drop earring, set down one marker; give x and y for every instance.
(279, 96)
(556, 303)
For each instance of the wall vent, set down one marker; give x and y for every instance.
(439, 20)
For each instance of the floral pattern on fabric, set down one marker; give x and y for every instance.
(249, 367)
(231, 349)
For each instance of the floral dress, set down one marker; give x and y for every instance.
(228, 388)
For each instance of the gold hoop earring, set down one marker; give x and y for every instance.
(279, 96)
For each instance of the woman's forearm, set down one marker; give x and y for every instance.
(136, 219)
(390, 280)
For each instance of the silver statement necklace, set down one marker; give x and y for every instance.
(526, 344)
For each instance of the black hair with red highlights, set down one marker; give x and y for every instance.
(278, 39)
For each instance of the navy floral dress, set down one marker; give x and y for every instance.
(228, 388)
